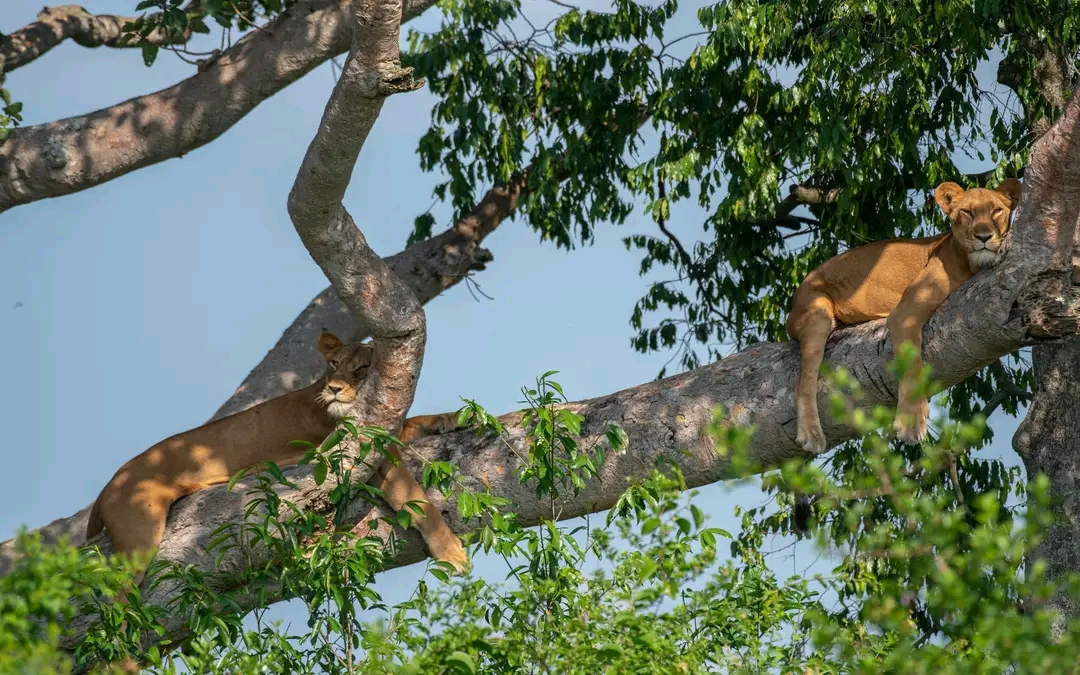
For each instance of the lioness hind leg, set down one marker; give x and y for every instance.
(136, 525)
(400, 487)
(811, 321)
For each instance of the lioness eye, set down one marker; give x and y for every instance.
(965, 212)
(332, 365)
(997, 212)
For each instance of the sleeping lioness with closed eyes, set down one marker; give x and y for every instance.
(903, 281)
(135, 503)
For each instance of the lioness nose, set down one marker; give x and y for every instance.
(334, 388)
(984, 237)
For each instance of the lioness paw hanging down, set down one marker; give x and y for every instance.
(903, 280)
(133, 506)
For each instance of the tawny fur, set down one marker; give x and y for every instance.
(135, 503)
(905, 280)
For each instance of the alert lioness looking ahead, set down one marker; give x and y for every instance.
(905, 280)
(134, 504)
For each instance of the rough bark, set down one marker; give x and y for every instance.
(1048, 439)
(1048, 442)
(71, 22)
(428, 268)
(73, 154)
(366, 285)
(1027, 298)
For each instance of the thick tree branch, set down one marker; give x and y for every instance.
(1026, 299)
(661, 418)
(66, 156)
(1046, 439)
(366, 284)
(428, 268)
(72, 22)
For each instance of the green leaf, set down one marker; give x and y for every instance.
(333, 440)
(461, 662)
(149, 53)
(197, 25)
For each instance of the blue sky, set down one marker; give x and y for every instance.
(131, 311)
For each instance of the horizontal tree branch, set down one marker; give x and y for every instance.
(73, 154)
(72, 22)
(428, 268)
(1027, 298)
(661, 418)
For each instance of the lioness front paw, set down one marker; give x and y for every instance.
(446, 547)
(910, 422)
(811, 438)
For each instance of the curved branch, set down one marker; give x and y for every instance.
(1028, 298)
(662, 418)
(72, 22)
(367, 285)
(428, 267)
(66, 156)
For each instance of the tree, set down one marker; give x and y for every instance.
(665, 602)
(561, 151)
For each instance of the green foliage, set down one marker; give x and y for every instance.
(932, 576)
(10, 113)
(175, 18)
(868, 102)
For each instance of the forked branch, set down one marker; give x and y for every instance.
(366, 284)
(66, 156)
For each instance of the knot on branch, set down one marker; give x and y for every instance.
(394, 79)
(1048, 307)
(480, 258)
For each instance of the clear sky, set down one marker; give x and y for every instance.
(131, 311)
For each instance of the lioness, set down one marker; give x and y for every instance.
(905, 280)
(134, 504)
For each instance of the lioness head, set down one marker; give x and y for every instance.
(346, 368)
(980, 217)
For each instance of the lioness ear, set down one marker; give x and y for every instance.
(1010, 187)
(366, 353)
(946, 194)
(328, 342)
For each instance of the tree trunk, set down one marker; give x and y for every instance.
(1048, 442)
(1027, 298)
